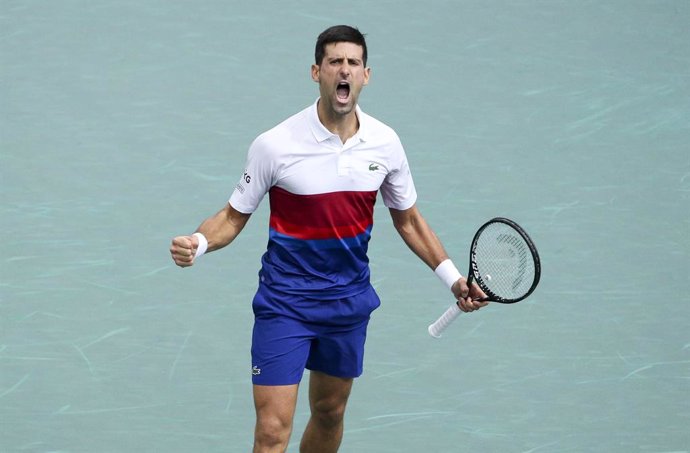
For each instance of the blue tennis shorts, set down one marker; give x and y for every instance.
(328, 336)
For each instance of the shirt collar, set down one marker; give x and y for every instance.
(322, 134)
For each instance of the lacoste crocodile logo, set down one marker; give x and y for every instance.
(256, 370)
(373, 167)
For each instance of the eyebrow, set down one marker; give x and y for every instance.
(339, 58)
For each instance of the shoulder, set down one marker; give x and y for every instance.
(377, 130)
(288, 127)
(276, 138)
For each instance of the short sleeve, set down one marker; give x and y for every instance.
(257, 179)
(397, 190)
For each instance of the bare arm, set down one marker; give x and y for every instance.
(419, 236)
(220, 230)
(422, 240)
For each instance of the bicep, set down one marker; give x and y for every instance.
(234, 218)
(222, 228)
(406, 221)
(418, 235)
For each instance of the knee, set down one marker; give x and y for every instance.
(328, 415)
(272, 432)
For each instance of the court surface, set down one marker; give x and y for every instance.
(125, 123)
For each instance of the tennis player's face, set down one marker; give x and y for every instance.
(341, 76)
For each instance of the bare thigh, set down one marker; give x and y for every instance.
(328, 395)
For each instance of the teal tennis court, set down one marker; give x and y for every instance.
(125, 123)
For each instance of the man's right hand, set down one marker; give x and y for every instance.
(183, 249)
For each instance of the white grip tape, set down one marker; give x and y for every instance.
(437, 328)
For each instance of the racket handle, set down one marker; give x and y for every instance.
(437, 328)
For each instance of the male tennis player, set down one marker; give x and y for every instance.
(322, 169)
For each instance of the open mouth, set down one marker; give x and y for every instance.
(343, 91)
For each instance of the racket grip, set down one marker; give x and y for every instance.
(437, 328)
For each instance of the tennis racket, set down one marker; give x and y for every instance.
(503, 262)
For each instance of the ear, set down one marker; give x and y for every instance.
(315, 71)
(367, 74)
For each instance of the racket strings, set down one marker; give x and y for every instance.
(504, 262)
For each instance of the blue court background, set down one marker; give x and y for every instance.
(125, 123)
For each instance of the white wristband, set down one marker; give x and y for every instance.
(448, 273)
(203, 245)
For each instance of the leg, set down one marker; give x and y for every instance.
(327, 398)
(280, 346)
(275, 408)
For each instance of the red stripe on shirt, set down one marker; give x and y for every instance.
(331, 215)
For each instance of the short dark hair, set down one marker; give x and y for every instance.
(339, 33)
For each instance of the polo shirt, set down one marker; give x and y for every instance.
(322, 194)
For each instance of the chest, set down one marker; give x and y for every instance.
(334, 168)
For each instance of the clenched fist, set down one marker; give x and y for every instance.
(183, 249)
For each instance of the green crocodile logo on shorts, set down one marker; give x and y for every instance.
(373, 167)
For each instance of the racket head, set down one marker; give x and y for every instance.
(504, 261)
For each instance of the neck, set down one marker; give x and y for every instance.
(344, 126)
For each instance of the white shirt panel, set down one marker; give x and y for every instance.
(301, 156)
